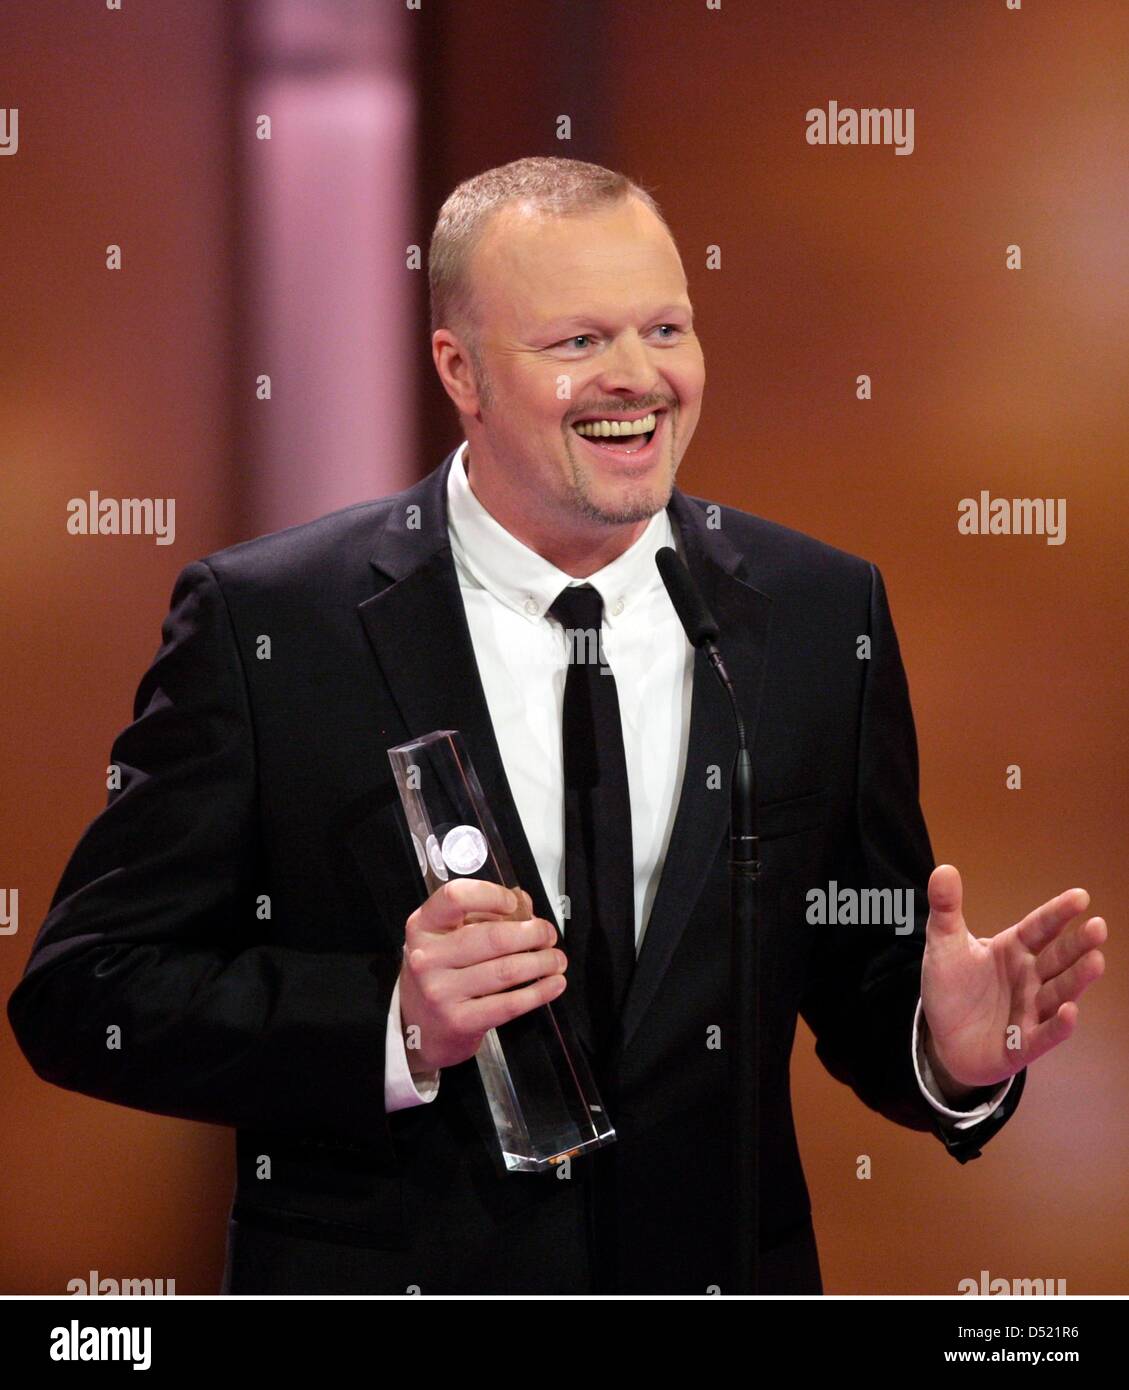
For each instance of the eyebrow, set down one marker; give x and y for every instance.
(666, 310)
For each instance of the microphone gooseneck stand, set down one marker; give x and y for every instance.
(744, 922)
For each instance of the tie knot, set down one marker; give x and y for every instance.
(578, 606)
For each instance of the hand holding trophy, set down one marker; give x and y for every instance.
(475, 957)
(477, 962)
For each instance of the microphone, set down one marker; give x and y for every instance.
(698, 622)
(744, 932)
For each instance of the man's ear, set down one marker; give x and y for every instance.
(456, 372)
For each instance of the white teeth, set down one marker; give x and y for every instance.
(603, 429)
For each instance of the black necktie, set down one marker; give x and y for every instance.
(599, 930)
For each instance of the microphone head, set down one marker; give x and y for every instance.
(688, 602)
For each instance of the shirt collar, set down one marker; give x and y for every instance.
(525, 581)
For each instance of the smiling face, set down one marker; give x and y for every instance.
(579, 318)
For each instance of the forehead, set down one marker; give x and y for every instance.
(530, 266)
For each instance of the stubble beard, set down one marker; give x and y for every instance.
(639, 502)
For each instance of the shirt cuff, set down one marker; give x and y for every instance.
(401, 1088)
(931, 1090)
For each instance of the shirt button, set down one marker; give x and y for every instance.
(617, 608)
(532, 606)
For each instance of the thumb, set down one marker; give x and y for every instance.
(946, 896)
(520, 913)
(524, 907)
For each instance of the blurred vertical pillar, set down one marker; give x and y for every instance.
(325, 212)
(495, 81)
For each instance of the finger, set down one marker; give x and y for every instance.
(1040, 1039)
(1040, 927)
(946, 894)
(447, 907)
(491, 1011)
(1070, 984)
(520, 913)
(485, 941)
(1072, 945)
(497, 976)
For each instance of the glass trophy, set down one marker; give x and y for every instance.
(539, 1088)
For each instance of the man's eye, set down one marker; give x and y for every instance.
(584, 340)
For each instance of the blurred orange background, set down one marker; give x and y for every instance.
(288, 257)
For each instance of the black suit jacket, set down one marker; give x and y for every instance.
(237, 912)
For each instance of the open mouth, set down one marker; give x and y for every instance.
(632, 439)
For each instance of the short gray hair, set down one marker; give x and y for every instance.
(561, 187)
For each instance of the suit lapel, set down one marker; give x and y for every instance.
(418, 631)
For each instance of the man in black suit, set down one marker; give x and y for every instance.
(238, 937)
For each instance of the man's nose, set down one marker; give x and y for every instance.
(626, 366)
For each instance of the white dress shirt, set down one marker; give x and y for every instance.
(523, 659)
